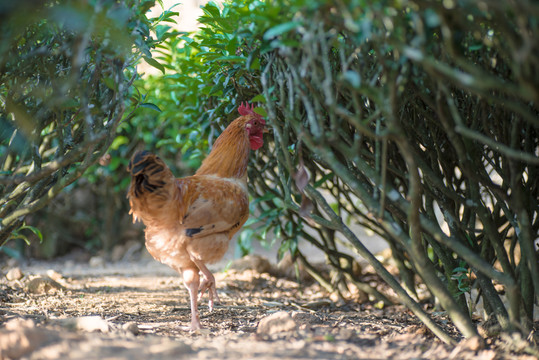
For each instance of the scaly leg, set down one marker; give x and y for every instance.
(208, 283)
(191, 280)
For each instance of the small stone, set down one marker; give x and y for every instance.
(171, 350)
(252, 262)
(318, 304)
(12, 262)
(14, 274)
(474, 343)
(131, 327)
(85, 323)
(275, 323)
(42, 285)
(289, 268)
(335, 297)
(489, 328)
(304, 318)
(92, 323)
(17, 324)
(345, 334)
(54, 275)
(96, 261)
(20, 337)
(132, 247)
(117, 253)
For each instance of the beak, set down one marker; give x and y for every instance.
(267, 130)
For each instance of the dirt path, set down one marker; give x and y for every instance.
(138, 310)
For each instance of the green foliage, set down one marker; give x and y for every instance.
(66, 82)
(413, 109)
(416, 119)
(205, 80)
(462, 275)
(20, 234)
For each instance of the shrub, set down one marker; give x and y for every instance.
(66, 83)
(424, 117)
(415, 119)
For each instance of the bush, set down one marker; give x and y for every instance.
(425, 121)
(66, 83)
(415, 119)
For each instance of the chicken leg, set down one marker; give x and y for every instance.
(208, 283)
(191, 280)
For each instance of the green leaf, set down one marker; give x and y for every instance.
(146, 5)
(154, 63)
(323, 179)
(212, 10)
(431, 18)
(161, 30)
(119, 141)
(352, 78)
(261, 111)
(230, 58)
(11, 252)
(475, 47)
(110, 83)
(187, 39)
(167, 15)
(256, 64)
(163, 142)
(258, 98)
(250, 221)
(379, 305)
(150, 106)
(281, 29)
(33, 229)
(245, 241)
(329, 337)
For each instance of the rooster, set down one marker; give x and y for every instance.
(190, 221)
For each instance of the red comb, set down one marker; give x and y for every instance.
(244, 109)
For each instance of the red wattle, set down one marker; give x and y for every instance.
(256, 141)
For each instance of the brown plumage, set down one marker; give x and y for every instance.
(190, 221)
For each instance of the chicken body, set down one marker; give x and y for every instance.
(190, 221)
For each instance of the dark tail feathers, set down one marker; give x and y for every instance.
(149, 173)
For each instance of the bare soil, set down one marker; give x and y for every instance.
(139, 310)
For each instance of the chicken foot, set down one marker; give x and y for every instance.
(208, 283)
